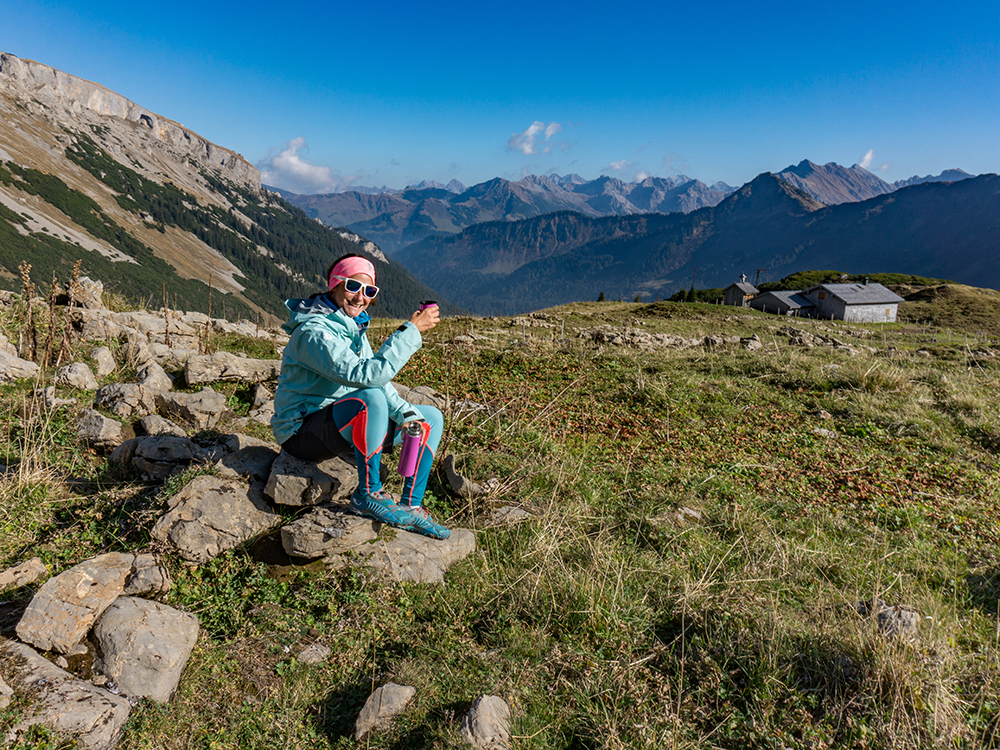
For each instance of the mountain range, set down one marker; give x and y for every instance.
(394, 220)
(936, 229)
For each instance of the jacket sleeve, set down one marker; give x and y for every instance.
(330, 355)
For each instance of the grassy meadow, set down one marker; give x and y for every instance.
(704, 523)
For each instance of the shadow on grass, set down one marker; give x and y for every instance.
(984, 591)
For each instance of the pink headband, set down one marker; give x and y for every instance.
(351, 267)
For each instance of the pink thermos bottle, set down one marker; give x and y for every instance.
(411, 449)
(424, 304)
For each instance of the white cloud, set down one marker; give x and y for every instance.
(640, 176)
(525, 141)
(618, 166)
(885, 167)
(867, 159)
(286, 169)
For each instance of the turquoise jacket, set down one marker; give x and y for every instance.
(328, 356)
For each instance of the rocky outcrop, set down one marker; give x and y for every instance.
(211, 515)
(66, 606)
(91, 715)
(64, 93)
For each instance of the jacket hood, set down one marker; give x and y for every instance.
(300, 310)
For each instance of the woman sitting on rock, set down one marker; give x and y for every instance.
(333, 388)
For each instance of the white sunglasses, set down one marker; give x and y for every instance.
(353, 285)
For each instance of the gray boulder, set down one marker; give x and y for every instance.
(6, 693)
(463, 487)
(154, 378)
(65, 607)
(211, 515)
(52, 401)
(294, 482)
(156, 457)
(486, 726)
(202, 410)
(76, 375)
(253, 461)
(154, 424)
(314, 653)
(385, 703)
(22, 574)
(225, 366)
(340, 538)
(70, 707)
(144, 646)
(125, 400)
(89, 294)
(104, 360)
(98, 431)
(13, 367)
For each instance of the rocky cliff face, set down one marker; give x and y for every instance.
(132, 133)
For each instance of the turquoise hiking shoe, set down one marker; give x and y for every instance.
(380, 506)
(423, 523)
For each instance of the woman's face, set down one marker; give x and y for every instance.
(352, 304)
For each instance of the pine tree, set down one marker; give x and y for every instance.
(601, 297)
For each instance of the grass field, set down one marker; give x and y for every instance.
(704, 523)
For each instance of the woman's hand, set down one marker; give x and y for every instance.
(426, 319)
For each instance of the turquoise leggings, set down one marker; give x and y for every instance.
(362, 418)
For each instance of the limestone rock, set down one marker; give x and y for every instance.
(154, 424)
(51, 400)
(22, 574)
(422, 395)
(253, 461)
(340, 538)
(157, 458)
(154, 378)
(509, 514)
(76, 375)
(6, 346)
(261, 395)
(295, 482)
(13, 367)
(104, 360)
(149, 577)
(68, 706)
(6, 693)
(98, 431)
(315, 653)
(65, 607)
(125, 400)
(385, 703)
(88, 294)
(211, 515)
(897, 620)
(211, 368)
(144, 646)
(202, 410)
(486, 726)
(463, 487)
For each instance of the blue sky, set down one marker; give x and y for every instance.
(324, 95)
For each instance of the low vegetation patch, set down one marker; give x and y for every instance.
(707, 526)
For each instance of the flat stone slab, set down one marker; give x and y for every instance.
(66, 606)
(225, 366)
(340, 539)
(22, 574)
(211, 515)
(202, 410)
(296, 483)
(68, 706)
(386, 702)
(144, 646)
